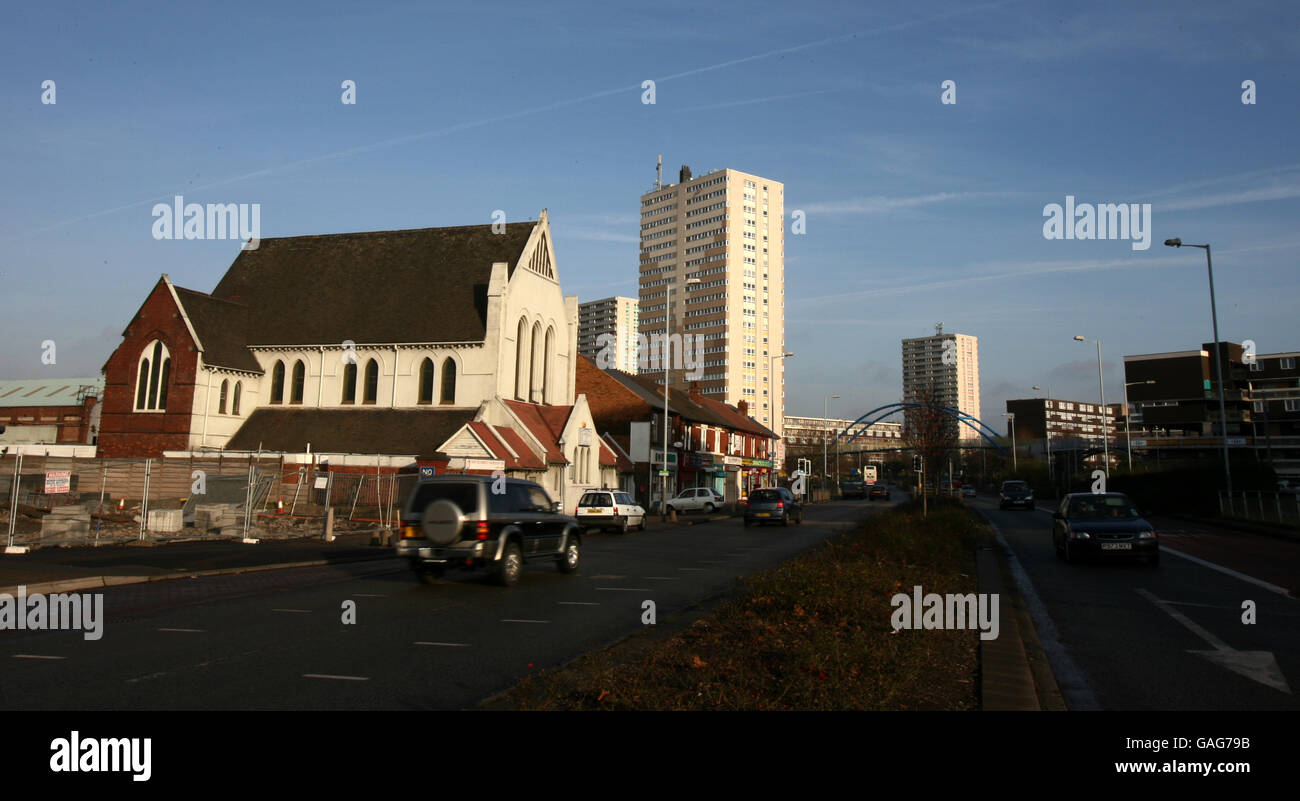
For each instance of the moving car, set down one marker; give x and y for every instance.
(458, 521)
(773, 505)
(878, 491)
(1102, 524)
(968, 490)
(1016, 493)
(853, 488)
(697, 499)
(609, 509)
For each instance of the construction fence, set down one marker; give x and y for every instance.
(49, 500)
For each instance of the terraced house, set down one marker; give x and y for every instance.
(451, 348)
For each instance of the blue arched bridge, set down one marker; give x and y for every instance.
(860, 426)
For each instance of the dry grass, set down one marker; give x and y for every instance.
(813, 633)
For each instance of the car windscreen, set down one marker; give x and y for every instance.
(463, 494)
(765, 496)
(595, 499)
(1103, 507)
(1015, 486)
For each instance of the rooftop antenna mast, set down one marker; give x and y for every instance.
(659, 173)
(938, 329)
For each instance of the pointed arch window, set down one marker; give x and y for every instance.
(152, 375)
(277, 382)
(299, 379)
(449, 383)
(547, 355)
(239, 386)
(521, 362)
(426, 381)
(221, 399)
(535, 380)
(350, 382)
(372, 381)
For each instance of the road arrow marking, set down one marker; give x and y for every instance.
(1260, 666)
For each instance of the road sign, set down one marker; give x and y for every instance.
(663, 472)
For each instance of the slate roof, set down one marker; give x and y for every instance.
(419, 285)
(417, 432)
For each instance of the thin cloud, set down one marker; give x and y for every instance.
(415, 137)
(881, 204)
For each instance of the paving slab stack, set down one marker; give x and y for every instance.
(224, 516)
(66, 522)
(166, 521)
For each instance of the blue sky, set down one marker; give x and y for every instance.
(917, 211)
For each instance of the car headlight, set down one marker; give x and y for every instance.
(1079, 535)
(1146, 535)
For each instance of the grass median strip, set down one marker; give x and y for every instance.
(812, 633)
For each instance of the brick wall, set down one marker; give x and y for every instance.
(125, 432)
(74, 432)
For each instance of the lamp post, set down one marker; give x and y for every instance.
(1015, 466)
(779, 447)
(1101, 382)
(1128, 440)
(1047, 430)
(825, 421)
(1218, 361)
(664, 353)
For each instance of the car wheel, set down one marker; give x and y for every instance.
(708, 508)
(572, 556)
(785, 519)
(623, 527)
(511, 566)
(670, 508)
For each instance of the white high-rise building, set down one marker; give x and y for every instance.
(725, 229)
(951, 364)
(609, 323)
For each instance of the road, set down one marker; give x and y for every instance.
(1128, 636)
(277, 639)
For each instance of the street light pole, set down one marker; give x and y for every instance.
(1015, 465)
(826, 423)
(1101, 382)
(1128, 440)
(771, 404)
(1218, 360)
(664, 353)
(1047, 431)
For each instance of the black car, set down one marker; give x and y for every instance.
(879, 491)
(1016, 493)
(469, 522)
(773, 505)
(1102, 524)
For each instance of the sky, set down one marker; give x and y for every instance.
(916, 210)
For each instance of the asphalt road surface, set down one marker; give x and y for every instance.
(1129, 636)
(277, 639)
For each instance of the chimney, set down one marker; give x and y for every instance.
(684, 175)
(743, 407)
(697, 394)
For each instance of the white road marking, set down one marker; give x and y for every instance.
(188, 631)
(369, 595)
(1260, 666)
(713, 561)
(1229, 571)
(660, 578)
(625, 589)
(338, 678)
(446, 644)
(607, 577)
(37, 656)
(578, 603)
(509, 620)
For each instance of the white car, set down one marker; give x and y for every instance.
(699, 499)
(609, 509)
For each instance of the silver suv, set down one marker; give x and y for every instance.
(469, 522)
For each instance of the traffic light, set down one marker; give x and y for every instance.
(916, 462)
